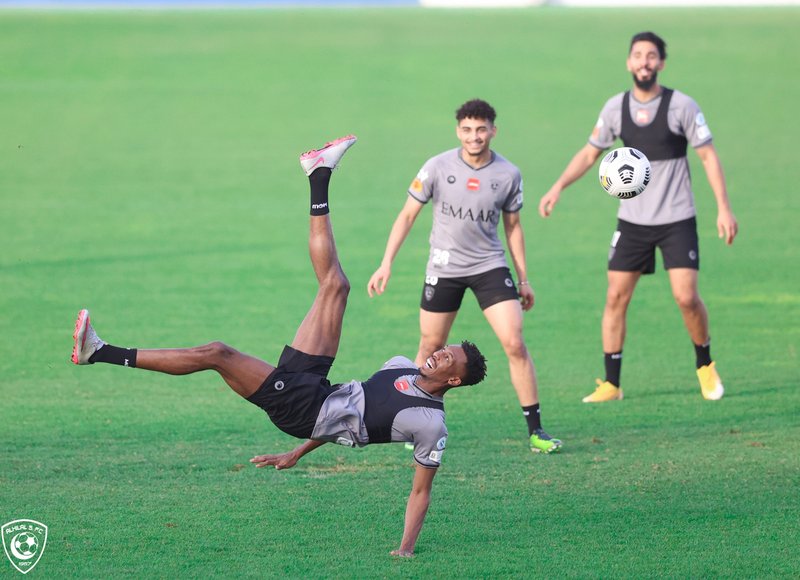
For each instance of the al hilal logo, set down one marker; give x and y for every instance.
(24, 542)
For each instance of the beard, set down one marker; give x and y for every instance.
(645, 85)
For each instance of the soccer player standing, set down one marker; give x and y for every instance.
(472, 189)
(660, 122)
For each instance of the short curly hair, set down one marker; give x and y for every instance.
(476, 364)
(476, 109)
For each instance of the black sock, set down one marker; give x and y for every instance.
(613, 361)
(533, 418)
(319, 180)
(115, 355)
(703, 353)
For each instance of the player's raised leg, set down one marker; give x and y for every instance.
(321, 330)
(243, 373)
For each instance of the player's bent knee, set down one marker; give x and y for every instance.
(219, 350)
(337, 284)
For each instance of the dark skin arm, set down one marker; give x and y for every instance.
(416, 509)
(287, 460)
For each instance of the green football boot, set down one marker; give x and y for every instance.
(541, 442)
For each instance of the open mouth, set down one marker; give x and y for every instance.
(430, 363)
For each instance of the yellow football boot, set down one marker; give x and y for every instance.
(605, 391)
(710, 383)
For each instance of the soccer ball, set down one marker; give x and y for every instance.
(26, 544)
(624, 172)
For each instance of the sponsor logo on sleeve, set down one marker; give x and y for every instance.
(700, 119)
(416, 185)
(344, 441)
(703, 132)
(441, 443)
(435, 456)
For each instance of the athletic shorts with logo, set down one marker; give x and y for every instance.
(293, 394)
(446, 294)
(633, 246)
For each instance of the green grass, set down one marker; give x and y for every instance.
(148, 171)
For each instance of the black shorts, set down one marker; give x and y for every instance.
(293, 394)
(445, 294)
(633, 247)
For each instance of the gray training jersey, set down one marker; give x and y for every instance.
(468, 205)
(668, 198)
(341, 419)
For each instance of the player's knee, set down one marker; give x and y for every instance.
(689, 301)
(428, 344)
(515, 347)
(336, 285)
(617, 299)
(219, 350)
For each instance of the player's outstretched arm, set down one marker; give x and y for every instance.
(575, 169)
(287, 460)
(402, 225)
(727, 226)
(417, 507)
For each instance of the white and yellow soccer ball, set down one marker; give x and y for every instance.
(625, 172)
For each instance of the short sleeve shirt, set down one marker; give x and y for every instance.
(468, 205)
(668, 198)
(341, 419)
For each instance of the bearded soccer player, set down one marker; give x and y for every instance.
(401, 402)
(472, 188)
(660, 122)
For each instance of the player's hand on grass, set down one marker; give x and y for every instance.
(402, 553)
(280, 461)
(377, 283)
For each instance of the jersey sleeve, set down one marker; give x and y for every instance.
(609, 124)
(421, 187)
(691, 121)
(398, 362)
(513, 202)
(430, 438)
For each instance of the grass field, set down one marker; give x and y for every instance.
(148, 171)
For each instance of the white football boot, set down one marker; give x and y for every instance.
(327, 156)
(86, 340)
